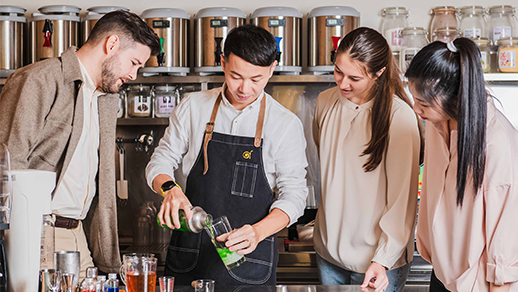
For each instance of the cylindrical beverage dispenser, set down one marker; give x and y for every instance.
(285, 25)
(327, 26)
(53, 31)
(12, 27)
(92, 16)
(172, 27)
(211, 27)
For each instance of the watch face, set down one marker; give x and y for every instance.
(168, 185)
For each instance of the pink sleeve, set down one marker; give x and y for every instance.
(502, 234)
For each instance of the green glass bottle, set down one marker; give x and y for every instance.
(200, 219)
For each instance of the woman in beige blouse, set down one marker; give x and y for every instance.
(469, 200)
(369, 146)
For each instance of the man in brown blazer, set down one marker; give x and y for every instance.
(60, 115)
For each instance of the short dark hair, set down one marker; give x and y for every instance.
(251, 43)
(128, 26)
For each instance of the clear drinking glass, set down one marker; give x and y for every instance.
(166, 283)
(204, 285)
(218, 227)
(54, 283)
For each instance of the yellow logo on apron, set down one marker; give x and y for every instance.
(247, 154)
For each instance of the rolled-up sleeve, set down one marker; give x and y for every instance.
(501, 237)
(402, 172)
(173, 145)
(290, 168)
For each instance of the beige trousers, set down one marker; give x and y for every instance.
(75, 240)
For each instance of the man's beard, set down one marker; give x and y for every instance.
(108, 79)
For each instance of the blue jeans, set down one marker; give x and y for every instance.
(334, 275)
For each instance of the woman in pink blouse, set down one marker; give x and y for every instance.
(469, 203)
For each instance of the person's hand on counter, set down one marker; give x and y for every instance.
(376, 277)
(174, 200)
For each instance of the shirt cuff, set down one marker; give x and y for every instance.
(382, 261)
(288, 208)
(500, 274)
(152, 174)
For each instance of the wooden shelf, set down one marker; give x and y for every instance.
(142, 122)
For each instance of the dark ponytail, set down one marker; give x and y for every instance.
(454, 82)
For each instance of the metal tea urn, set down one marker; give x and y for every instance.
(53, 30)
(327, 26)
(211, 27)
(285, 25)
(92, 16)
(12, 29)
(172, 27)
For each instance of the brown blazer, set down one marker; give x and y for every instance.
(41, 120)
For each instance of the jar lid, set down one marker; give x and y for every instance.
(501, 9)
(395, 11)
(333, 11)
(474, 9)
(165, 13)
(446, 30)
(139, 87)
(413, 30)
(276, 11)
(12, 13)
(52, 9)
(39, 16)
(444, 9)
(481, 41)
(508, 41)
(165, 87)
(219, 12)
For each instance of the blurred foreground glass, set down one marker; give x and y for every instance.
(166, 284)
(218, 227)
(204, 285)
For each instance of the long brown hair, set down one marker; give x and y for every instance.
(371, 50)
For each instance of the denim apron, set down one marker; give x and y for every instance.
(227, 179)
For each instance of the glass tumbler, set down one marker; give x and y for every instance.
(218, 227)
(204, 285)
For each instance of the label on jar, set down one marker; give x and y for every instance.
(394, 37)
(166, 104)
(408, 56)
(472, 32)
(501, 32)
(483, 59)
(507, 59)
(142, 105)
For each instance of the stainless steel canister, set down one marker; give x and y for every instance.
(211, 27)
(53, 30)
(327, 26)
(92, 16)
(285, 25)
(172, 27)
(12, 27)
(68, 262)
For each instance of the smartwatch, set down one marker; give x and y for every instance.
(169, 185)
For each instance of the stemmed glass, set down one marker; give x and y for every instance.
(55, 281)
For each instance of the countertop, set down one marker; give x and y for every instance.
(295, 288)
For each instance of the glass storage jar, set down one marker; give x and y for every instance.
(122, 102)
(139, 101)
(414, 39)
(502, 23)
(166, 98)
(443, 17)
(394, 19)
(507, 52)
(445, 35)
(485, 53)
(472, 22)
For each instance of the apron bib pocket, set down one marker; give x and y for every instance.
(245, 175)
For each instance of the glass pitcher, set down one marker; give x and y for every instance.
(138, 272)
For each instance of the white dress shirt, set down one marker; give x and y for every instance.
(284, 144)
(76, 191)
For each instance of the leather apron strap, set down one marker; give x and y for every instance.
(209, 129)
